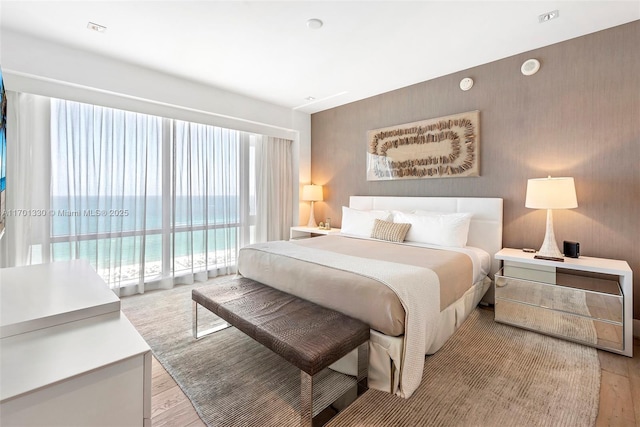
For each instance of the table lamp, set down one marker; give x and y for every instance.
(551, 193)
(312, 193)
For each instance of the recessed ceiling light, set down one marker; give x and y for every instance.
(96, 27)
(314, 23)
(548, 16)
(310, 98)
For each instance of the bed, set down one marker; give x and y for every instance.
(414, 294)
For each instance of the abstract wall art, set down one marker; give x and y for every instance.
(444, 147)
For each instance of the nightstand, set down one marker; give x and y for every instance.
(586, 300)
(304, 232)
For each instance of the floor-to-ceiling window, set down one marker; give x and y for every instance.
(149, 200)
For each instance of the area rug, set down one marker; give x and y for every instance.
(487, 374)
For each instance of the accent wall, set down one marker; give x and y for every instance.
(578, 116)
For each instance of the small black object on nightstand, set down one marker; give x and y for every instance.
(571, 249)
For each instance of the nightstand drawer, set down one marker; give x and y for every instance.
(584, 296)
(568, 299)
(582, 329)
(524, 271)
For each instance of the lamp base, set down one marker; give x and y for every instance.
(549, 246)
(549, 258)
(312, 219)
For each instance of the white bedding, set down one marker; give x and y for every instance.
(417, 288)
(485, 232)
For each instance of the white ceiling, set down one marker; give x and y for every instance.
(263, 49)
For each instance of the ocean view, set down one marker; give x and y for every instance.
(119, 258)
(128, 213)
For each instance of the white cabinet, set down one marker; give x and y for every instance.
(587, 300)
(68, 356)
(304, 232)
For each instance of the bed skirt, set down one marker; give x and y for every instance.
(385, 352)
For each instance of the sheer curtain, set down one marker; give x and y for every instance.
(26, 239)
(106, 191)
(206, 200)
(274, 195)
(148, 201)
(151, 202)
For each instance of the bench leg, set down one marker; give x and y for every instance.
(194, 324)
(306, 399)
(363, 367)
(306, 386)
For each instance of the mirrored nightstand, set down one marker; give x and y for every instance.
(587, 300)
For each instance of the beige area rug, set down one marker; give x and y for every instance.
(487, 374)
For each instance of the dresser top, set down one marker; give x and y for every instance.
(596, 265)
(46, 295)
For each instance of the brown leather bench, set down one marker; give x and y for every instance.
(307, 335)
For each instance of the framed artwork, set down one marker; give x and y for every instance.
(3, 153)
(444, 147)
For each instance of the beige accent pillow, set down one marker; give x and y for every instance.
(391, 231)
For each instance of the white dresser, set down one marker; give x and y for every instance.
(68, 355)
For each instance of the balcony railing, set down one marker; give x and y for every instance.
(122, 266)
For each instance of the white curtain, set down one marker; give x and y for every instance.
(106, 191)
(26, 239)
(148, 201)
(274, 196)
(206, 200)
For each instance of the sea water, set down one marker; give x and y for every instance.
(116, 231)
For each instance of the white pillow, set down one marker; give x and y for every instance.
(443, 229)
(360, 223)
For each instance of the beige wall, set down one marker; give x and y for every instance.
(578, 116)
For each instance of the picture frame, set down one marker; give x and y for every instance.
(3, 155)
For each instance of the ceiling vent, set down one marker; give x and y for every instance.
(96, 27)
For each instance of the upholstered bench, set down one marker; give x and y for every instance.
(307, 335)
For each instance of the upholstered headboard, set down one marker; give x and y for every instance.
(485, 231)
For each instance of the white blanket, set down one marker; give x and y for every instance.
(418, 290)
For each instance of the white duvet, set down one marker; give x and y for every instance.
(417, 288)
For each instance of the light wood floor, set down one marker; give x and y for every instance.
(619, 394)
(619, 388)
(169, 405)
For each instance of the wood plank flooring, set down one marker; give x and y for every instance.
(169, 405)
(619, 394)
(619, 389)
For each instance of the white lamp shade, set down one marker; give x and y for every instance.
(551, 193)
(312, 193)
